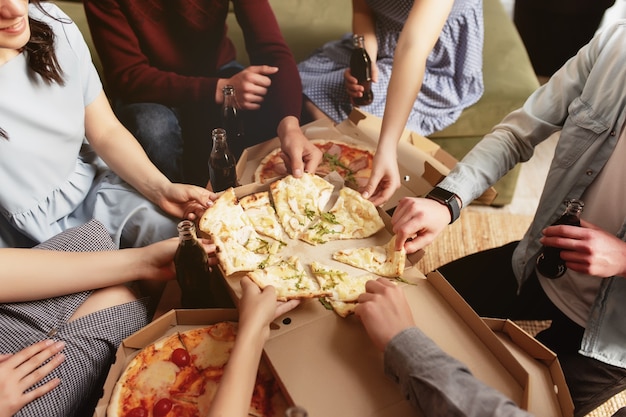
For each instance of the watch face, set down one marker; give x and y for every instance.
(441, 194)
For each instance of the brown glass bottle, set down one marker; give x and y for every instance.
(361, 69)
(192, 269)
(549, 262)
(222, 163)
(230, 117)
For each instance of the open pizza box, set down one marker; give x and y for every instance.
(328, 365)
(166, 324)
(422, 163)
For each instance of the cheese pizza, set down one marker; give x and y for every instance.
(383, 260)
(352, 161)
(178, 375)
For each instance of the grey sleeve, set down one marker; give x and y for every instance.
(440, 385)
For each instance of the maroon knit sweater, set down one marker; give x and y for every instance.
(168, 51)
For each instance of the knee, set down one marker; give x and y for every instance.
(150, 121)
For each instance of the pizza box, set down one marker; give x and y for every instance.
(548, 398)
(328, 365)
(422, 163)
(174, 320)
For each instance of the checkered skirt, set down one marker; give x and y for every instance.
(91, 341)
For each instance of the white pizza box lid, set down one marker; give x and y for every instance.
(328, 365)
(173, 320)
(422, 163)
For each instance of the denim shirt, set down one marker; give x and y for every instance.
(585, 100)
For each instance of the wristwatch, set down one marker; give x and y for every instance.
(448, 199)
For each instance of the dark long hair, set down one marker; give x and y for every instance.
(40, 53)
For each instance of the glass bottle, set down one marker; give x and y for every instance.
(361, 69)
(222, 163)
(549, 262)
(230, 117)
(296, 411)
(192, 268)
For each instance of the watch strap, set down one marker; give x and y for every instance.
(447, 198)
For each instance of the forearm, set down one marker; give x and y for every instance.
(435, 382)
(34, 274)
(364, 23)
(234, 394)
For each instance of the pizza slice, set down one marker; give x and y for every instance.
(262, 214)
(351, 217)
(299, 201)
(240, 247)
(343, 286)
(290, 280)
(383, 260)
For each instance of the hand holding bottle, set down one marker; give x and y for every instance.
(588, 249)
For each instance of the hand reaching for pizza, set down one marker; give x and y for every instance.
(259, 307)
(385, 178)
(22, 370)
(384, 311)
(299, 154)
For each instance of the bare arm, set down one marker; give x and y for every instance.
(34, 274)
(417, 39)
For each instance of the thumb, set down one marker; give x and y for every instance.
(371, 186)
(264, 69)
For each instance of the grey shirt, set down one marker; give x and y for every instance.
(438, 384)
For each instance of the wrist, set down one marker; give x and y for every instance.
(448, 199)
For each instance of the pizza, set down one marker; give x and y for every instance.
(239, 246)
(342, 285)
(260, 210)
(299, 201)
(382, 260)
(290, 279)
(352, 161)
(178, 375)
(351, 217)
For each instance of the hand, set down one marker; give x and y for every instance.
(385, 177)
(22, 370)
(417, 222)
(251, 86)
(353, 88)
(384, 311)
(588, 249)
(159, 258)
(258, 308)
(299, 154)
(186, 201)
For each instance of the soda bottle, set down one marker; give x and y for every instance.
(222, 163)
(192, 270)
(230, 117)
(361, 69)
(549, 262)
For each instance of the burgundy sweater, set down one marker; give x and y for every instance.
(168, 51)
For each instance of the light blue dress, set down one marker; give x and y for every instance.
(453, 77)
(51, 180)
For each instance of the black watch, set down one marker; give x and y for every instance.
(448, 199)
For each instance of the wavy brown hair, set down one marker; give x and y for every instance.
(40, 53)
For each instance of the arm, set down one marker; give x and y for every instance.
(416, 41)
(34, 274)
(125, 156)
(433, 381)
(21, 371)
(141, 64)
(256, 310)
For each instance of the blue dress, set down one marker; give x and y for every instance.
(452, 80)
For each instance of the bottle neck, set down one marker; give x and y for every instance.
(186, 231)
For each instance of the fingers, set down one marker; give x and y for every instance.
(285, 307)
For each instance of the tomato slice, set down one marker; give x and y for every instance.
(181, 357)
(162, 407)
(137, 412)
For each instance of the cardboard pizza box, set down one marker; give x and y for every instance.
(422, 163)
(548, 397)
(328, 365)
(174, 320)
